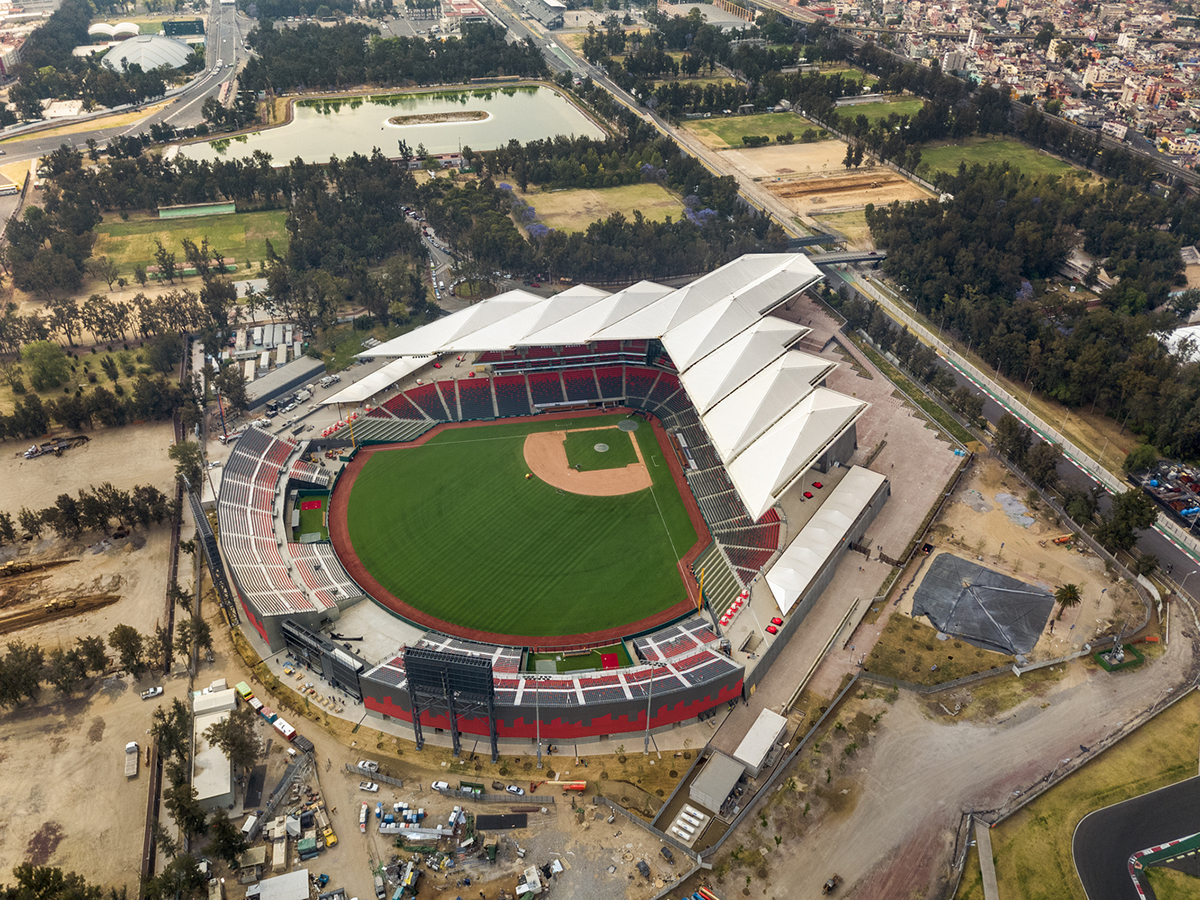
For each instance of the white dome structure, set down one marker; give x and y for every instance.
(148, 51)
(101, 28)
(121, 29)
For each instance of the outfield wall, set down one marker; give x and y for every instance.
(578, 723)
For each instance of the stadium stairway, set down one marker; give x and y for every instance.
(721, 586)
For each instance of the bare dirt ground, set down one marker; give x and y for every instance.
(846, 190)
(885, 818)
(67, 801)
(546, 457)
(789, 160)
(975, 524)
(135, 454)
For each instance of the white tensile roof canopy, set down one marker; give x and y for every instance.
(760, 402)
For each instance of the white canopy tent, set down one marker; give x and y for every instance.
(801, 562)
(379, 380)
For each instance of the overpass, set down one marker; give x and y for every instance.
(848, 256)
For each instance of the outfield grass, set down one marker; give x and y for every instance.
(984, 151)
(876, 112)
(580, 447)
(1033, 847)
(455, 529)
(242, 236)
(576, 209)
(582, 663)
(729, 129)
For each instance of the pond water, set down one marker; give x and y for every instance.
(323, 128)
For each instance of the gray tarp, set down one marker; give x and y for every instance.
(984, 608)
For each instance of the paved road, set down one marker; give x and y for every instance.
(1104, 840)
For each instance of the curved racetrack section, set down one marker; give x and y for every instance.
(1105, 839)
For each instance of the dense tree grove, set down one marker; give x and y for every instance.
(283, 9)
(310, 56)
(48, 68)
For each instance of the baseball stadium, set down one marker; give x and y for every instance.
(560, 508)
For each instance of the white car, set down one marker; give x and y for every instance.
(440, 786)
(368, 765)
(514, 789)
(369, 786)
(152, 693)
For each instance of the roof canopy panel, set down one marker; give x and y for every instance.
(769, 465)
(377, 381)
(747, 412)
(738, 359)
(511, 330)
(428, 339)
(705, 332)
(580, 327)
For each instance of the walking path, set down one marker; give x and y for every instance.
(983, 841)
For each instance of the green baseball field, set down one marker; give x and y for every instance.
(455, 529)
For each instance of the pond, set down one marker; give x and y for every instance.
(489, 119)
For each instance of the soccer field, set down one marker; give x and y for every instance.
(454, 528)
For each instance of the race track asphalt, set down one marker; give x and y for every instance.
(1105, 839)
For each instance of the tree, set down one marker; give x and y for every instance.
(65, 670)
(91, 651)
(1012, 438)
(1041, 463)
(180, 800)
(130, 646)
(187, 461)
(181, 878)
(1131, 511)
(166, 262)
(231, 382)
(46, 364)
(46, 883)
(237, 737)
(172, 729)
(104, 269)
(1067, 597)
(226, 841)
(8, 532)
(20, 672)
(67, 521)
(30, 521)
(1141, 458)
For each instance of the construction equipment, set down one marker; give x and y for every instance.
(831, 884)
(1063, 538)
(566, 785)
(534, 785)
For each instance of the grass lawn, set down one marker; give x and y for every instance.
(730, 129)
(876, 112)
(576, 209)
(984, 151)
(312, 521)
(1171, 885)
(580, 447)
(1033, 847)
(581, 663)
(908, 649)
(454, 528)
(851, 224)
(242, 236)
(84, 368)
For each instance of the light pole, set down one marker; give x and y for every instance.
(649, 697)
(537, 716)
(1186, 577)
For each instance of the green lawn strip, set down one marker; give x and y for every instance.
(455, 529)
(312, 521)
(242, 236)
(1032, 848)
(581, 662)
(731, 128)
(983, 151)
(971, 885)
(876, 112)
(1171, 885)
(580, 447)
(935, 412)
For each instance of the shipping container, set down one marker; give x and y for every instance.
(281, 355)
(267, 713)
(258, 335)
(278, 334)
(249, 372)
(297, 350)
(284, 728)
(264, 361)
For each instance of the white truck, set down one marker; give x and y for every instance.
(133, 754)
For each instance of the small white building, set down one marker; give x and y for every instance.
(212, 772)
(292, 886)
(767, 731)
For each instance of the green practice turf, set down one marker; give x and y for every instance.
(455, 529)
(242, 236)
(312, 521)
(581, 663)
(580, 447)
(877, 111)
(1029, 160)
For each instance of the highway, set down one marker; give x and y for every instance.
(1106, 839)
(227, 31)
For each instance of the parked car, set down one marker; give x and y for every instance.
(368, 765)
(151, 693)
(515, 789)
(369, 786)
(440, 786)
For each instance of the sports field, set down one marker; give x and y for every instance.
(312, 519)
(577, 208)
(455, 529)
(242, 236)
(878, 111)
(579, 662)
(1028, 160)
(727, 131)
(582, 452)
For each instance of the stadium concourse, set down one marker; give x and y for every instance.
(751, 424)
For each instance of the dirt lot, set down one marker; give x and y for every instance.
(789, 160)
(135, 454)
(67, 801)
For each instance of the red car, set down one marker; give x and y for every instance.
(771, 629)
(818, 485)
(536, 284)
(776, 621)
(808, 495)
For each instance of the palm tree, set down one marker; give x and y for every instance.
(1066, 597)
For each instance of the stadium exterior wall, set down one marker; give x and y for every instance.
(595, 720)
(824, 576)
(839, 451)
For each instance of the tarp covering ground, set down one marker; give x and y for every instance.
(982, 607)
